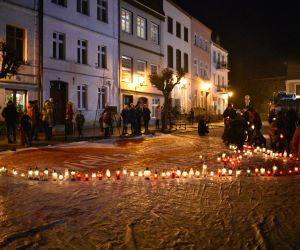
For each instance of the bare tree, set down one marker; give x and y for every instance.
(165, 82)
(9, 63)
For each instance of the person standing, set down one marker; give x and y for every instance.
(47, 119)
(79, 122)
(26, 129)
(69, 119)
(125, 118)
(146, 117)
(157, 116)
(31, 113)
(132, 119)
(10, 115)
(192, 116)
(106, 121)
(138, 118)
(37, 124)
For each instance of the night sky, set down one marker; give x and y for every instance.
(259, 35)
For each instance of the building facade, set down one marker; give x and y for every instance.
(19, 32)
(177, 50)
(201, 66)
(141, 51)
(219, 78)
(292, 82)
(80, 55)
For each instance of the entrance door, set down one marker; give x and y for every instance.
(58, 91)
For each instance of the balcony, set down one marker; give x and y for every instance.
(221, 90)
(222, 65)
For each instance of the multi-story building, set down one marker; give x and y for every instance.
(177, 50)
(292, 82)
(219, 78)
(201, 65)
(18, 21)
(141, 51)
(80, 55)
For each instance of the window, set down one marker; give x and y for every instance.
(155, 103)
(201, 68)
(127, 100)
(101, 98)
(206, 71)
(141, 71)
(206, 45)
(102, 57)
(178, 29)
(58, 45)
(201, 42)
(126, 21)
(178, 59)
(195, 67)
(83, 6)
(218, 80)
(154, 33)
(170, 56)
(18, 97)
(82, 51)
(170, 25)
(102, 10)
(141, 27)
(223, 83)
(126, 69)
(82, 97)
(214, 57)
(153, 69)
(195, 39)
(186, 34)
(15, 39)
(186, 62)
(60, 2)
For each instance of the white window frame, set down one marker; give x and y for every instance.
(152, 71)
(56, 42)
(195, 39)
(195, 67)
(141, 73)
(81, 49)
(101, 92)
(128, 70)
(82, 91)
(102, 6)
(102, 52)
(154, 33)
(201, 69)
(80, 7)
(201, 42)
(141, 27)
(126, 21)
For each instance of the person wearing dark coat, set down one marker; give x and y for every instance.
(79, 119)
(146, 117)
(125, 117)
(10, 115)
(202, 126)
(138, 118)
(25, 127)
(132, 119)
(238, 131)
(229, 115)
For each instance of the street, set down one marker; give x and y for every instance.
(212, 212)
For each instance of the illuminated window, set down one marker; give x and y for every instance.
(126, 21)
(141, 24)
(15, 39)
(141, 71)
(126, 69)
(154, 33)
(153, 69)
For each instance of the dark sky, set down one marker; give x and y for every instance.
(259, 35)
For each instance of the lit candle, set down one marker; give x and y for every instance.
(219, 172)
(22, 175)
(212, 173)
(147, 173)
(223, 155)
(132, 174)
(155, 175)
(178, 173)
(262, 171)
(268, 172)
(66, 173)
(30, 174)
(163, 174)
(197, 173)
(54, 175)
(230, 171)
(140, 173)
(60, 176)
(285, 154)
(224, 170)
(204, 170)
(36, 173)
(94, 176)
(86, 177)
(46, 175)
(290, 171)
(168, 174)
(124, 172)
(118, 174)
(256, 171)
(238, 172)
(274, 169)
(73, 173)
(248, 172)
(185, 173)
(107, 173)
(78, 175)
(15, 172)
(100, 175)
(219, 159)
(191, 172)
(296, 169)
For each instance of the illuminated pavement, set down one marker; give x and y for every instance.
(134, 213)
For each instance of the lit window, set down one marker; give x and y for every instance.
(102, 57)
(83, 6)
(153, 69)
(58, 45)
(82, 51)
(126, 21)
(154, 33)
(102, 10)
(82, 97)
(141, 27)
(141, 71)
(15, 39)
(126, 69)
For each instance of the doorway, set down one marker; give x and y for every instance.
(58, 91)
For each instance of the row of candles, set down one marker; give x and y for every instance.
(45, 175)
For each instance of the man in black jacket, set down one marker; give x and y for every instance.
(10, 115)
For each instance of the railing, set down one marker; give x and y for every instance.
(222, 65)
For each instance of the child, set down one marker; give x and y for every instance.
(79, 122)
(25, 128)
